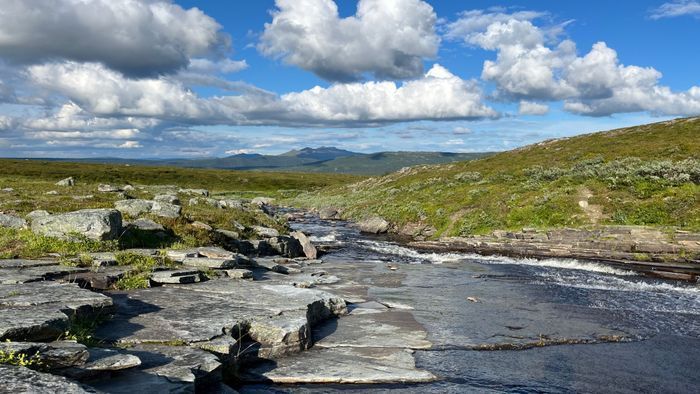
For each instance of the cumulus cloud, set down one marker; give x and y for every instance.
(675, 9)
(135, 37)
(388, 38)
(532, 108)
(528, 68)
(437, 95)
(6, 123)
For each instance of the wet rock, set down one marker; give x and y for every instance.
(97, 224)
(306, 245)
(146, 225)
(342, 366)
(66, 182)
(167, 198)
(175, 276)
(284, 246)
(375, 225)
(238, 273)
(12, 221)
(329, 214)
(41, 310)
(53, 355)
(24, 380)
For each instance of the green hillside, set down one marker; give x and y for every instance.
(644, 175)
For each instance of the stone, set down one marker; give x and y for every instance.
(203, 262)
(146, 225)
(262, 201)
(201, 226)
(52, 355)
(106, 188)
(86, 197)
(7, 190)
(12, 221)
(24, 380)
(51, 193)
(38, 273)
(39, 213)
(238, 273)
(286, 246)
(167, 198)
(98, 278)
(103, 259)
(199, 192)
(41, 311)
(265, 232)
(66, 182)
(283, 334)
(166, 210)
(342, 366)
(215, 252)
(21, 263)
(96, 224)
(128, 188)
(306, 245)
(134, 207)
(180, 255)
(230, 204)
(175, 276)
(329, 214)
(101, 361)
(374, 225)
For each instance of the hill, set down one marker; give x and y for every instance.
(644, 175)
(319, 160)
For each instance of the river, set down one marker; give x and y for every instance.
(549, 325)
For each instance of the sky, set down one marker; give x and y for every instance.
(188, 79)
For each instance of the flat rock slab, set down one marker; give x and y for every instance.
(204, 262)
(166, 369)
(342, 366)
(389, 329)
(24, 380)
(41, 310)
(37, 273)
(53, 355)
(21, 263)
(102, 278)
(200, 312)
(175, 276)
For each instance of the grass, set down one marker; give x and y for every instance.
(22, 243)
(141, 268)
(82, 329)
(645, 175)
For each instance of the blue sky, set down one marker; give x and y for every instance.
(210, 78)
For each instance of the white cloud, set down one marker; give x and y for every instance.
(527, 68)
(532, 108)
(238, 151)
(223, 66)
(460, 130)
(130, 145)
(132, 36)
(6, 123)
(105, 93)
(675, 9)
(389, 38)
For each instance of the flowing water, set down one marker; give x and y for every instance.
(517, 301)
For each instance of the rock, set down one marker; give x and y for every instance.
(51, 193)
(180, 255)
(53, 355)
(97, 224)
(12, 221)
(342, 366)
(105, 188)
(101, 361)
(203, 262)
(146, 225)
(260, 201)
(167, 198)
(24, 380)
(105, 259)
(308, 248)
(265, 232)
(286, 246)
(21, 263)
(175, 276)
(374, 225)
(284, 334)
(98, 278)
(199, 192)
(41, 310)
(166, 210)
(128, 188)
(329, 214)
(86, 197)
(134, 207)
(215, 252)
(201, 226)
(7, 190)
(66, 182)
(230, 204)
(39, 213)
(238, 273)
(37, 273)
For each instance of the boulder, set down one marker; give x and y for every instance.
(166, 210)
(374, 225)
(168, 198)
(105, 188)
(66, 182)
(12, 221)
(266, 232)
(262, 201)
(199, 192)
(134, 207)
(24, 380)
(309, 249)
(97, 224)
(201, 226)
(286, 246)
(39, 213)
(146, 225)
(329, 214)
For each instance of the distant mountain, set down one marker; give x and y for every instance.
(323, 159)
